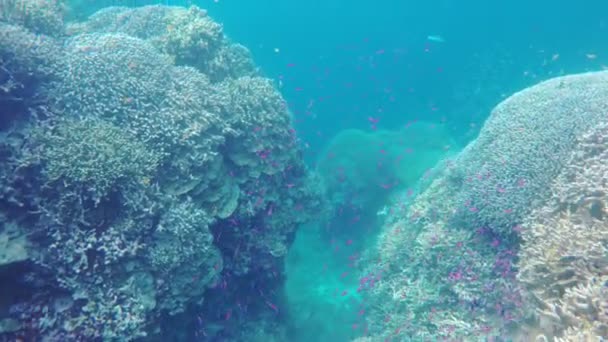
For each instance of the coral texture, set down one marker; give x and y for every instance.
(523, 146)
(564, 256)
(158, 178)
(189, 36)
(38, 16)
(445, 263)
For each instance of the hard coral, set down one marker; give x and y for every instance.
(181, 236)
(523, 146)
(140, 22)
(92, 153)
(38, 16)
(564, 259)
(134, 185)
(260, 140)
(27, 61)
(189, 36)
(182, 249)
(538, 168)
(445, 280)
(231, 61)
(112, 76)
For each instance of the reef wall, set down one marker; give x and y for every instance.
(150, 180)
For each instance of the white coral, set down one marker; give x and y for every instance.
(564, 258)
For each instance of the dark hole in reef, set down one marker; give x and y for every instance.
(92, 256)
(13, 288)
(104, 213)
(596, 210)
(11, 112)
(16, 103)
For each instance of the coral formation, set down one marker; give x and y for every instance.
(38, 16)
(92, 153)
(428, 279)
(183, 249)
(159, 169)
(564, 256)
(189, 36)
(250, 106)
(26, 60)
(523, 146)
(148, 171)
(530, 189)
(371, 164)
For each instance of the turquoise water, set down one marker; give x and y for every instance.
(378, 95)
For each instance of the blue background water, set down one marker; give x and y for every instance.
(340, 62)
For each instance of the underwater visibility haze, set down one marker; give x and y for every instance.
(303, 171)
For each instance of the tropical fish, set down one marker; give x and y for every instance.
(435, 38)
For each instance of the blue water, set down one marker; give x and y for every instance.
(365, 81)
(340, 36)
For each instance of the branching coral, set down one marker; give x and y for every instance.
(141, 22)
(115, 77)
(231, 61)
(192, 37)
(260, 138)
(142, 173)
(93, 153)
(189, 36)
(27, 61)
(183, 249)
(430, 279)
(564, 259)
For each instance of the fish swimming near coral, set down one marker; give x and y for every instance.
(435, 38)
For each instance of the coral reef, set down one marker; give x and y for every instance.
(158, 170)
(372, 164)
(250, 106)
(427, 279)
(531, 189)
(38, 16)
(523, 146)
(26, 60)
(189, 36)
(564, 256)
(183, 250)
(92, 153)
